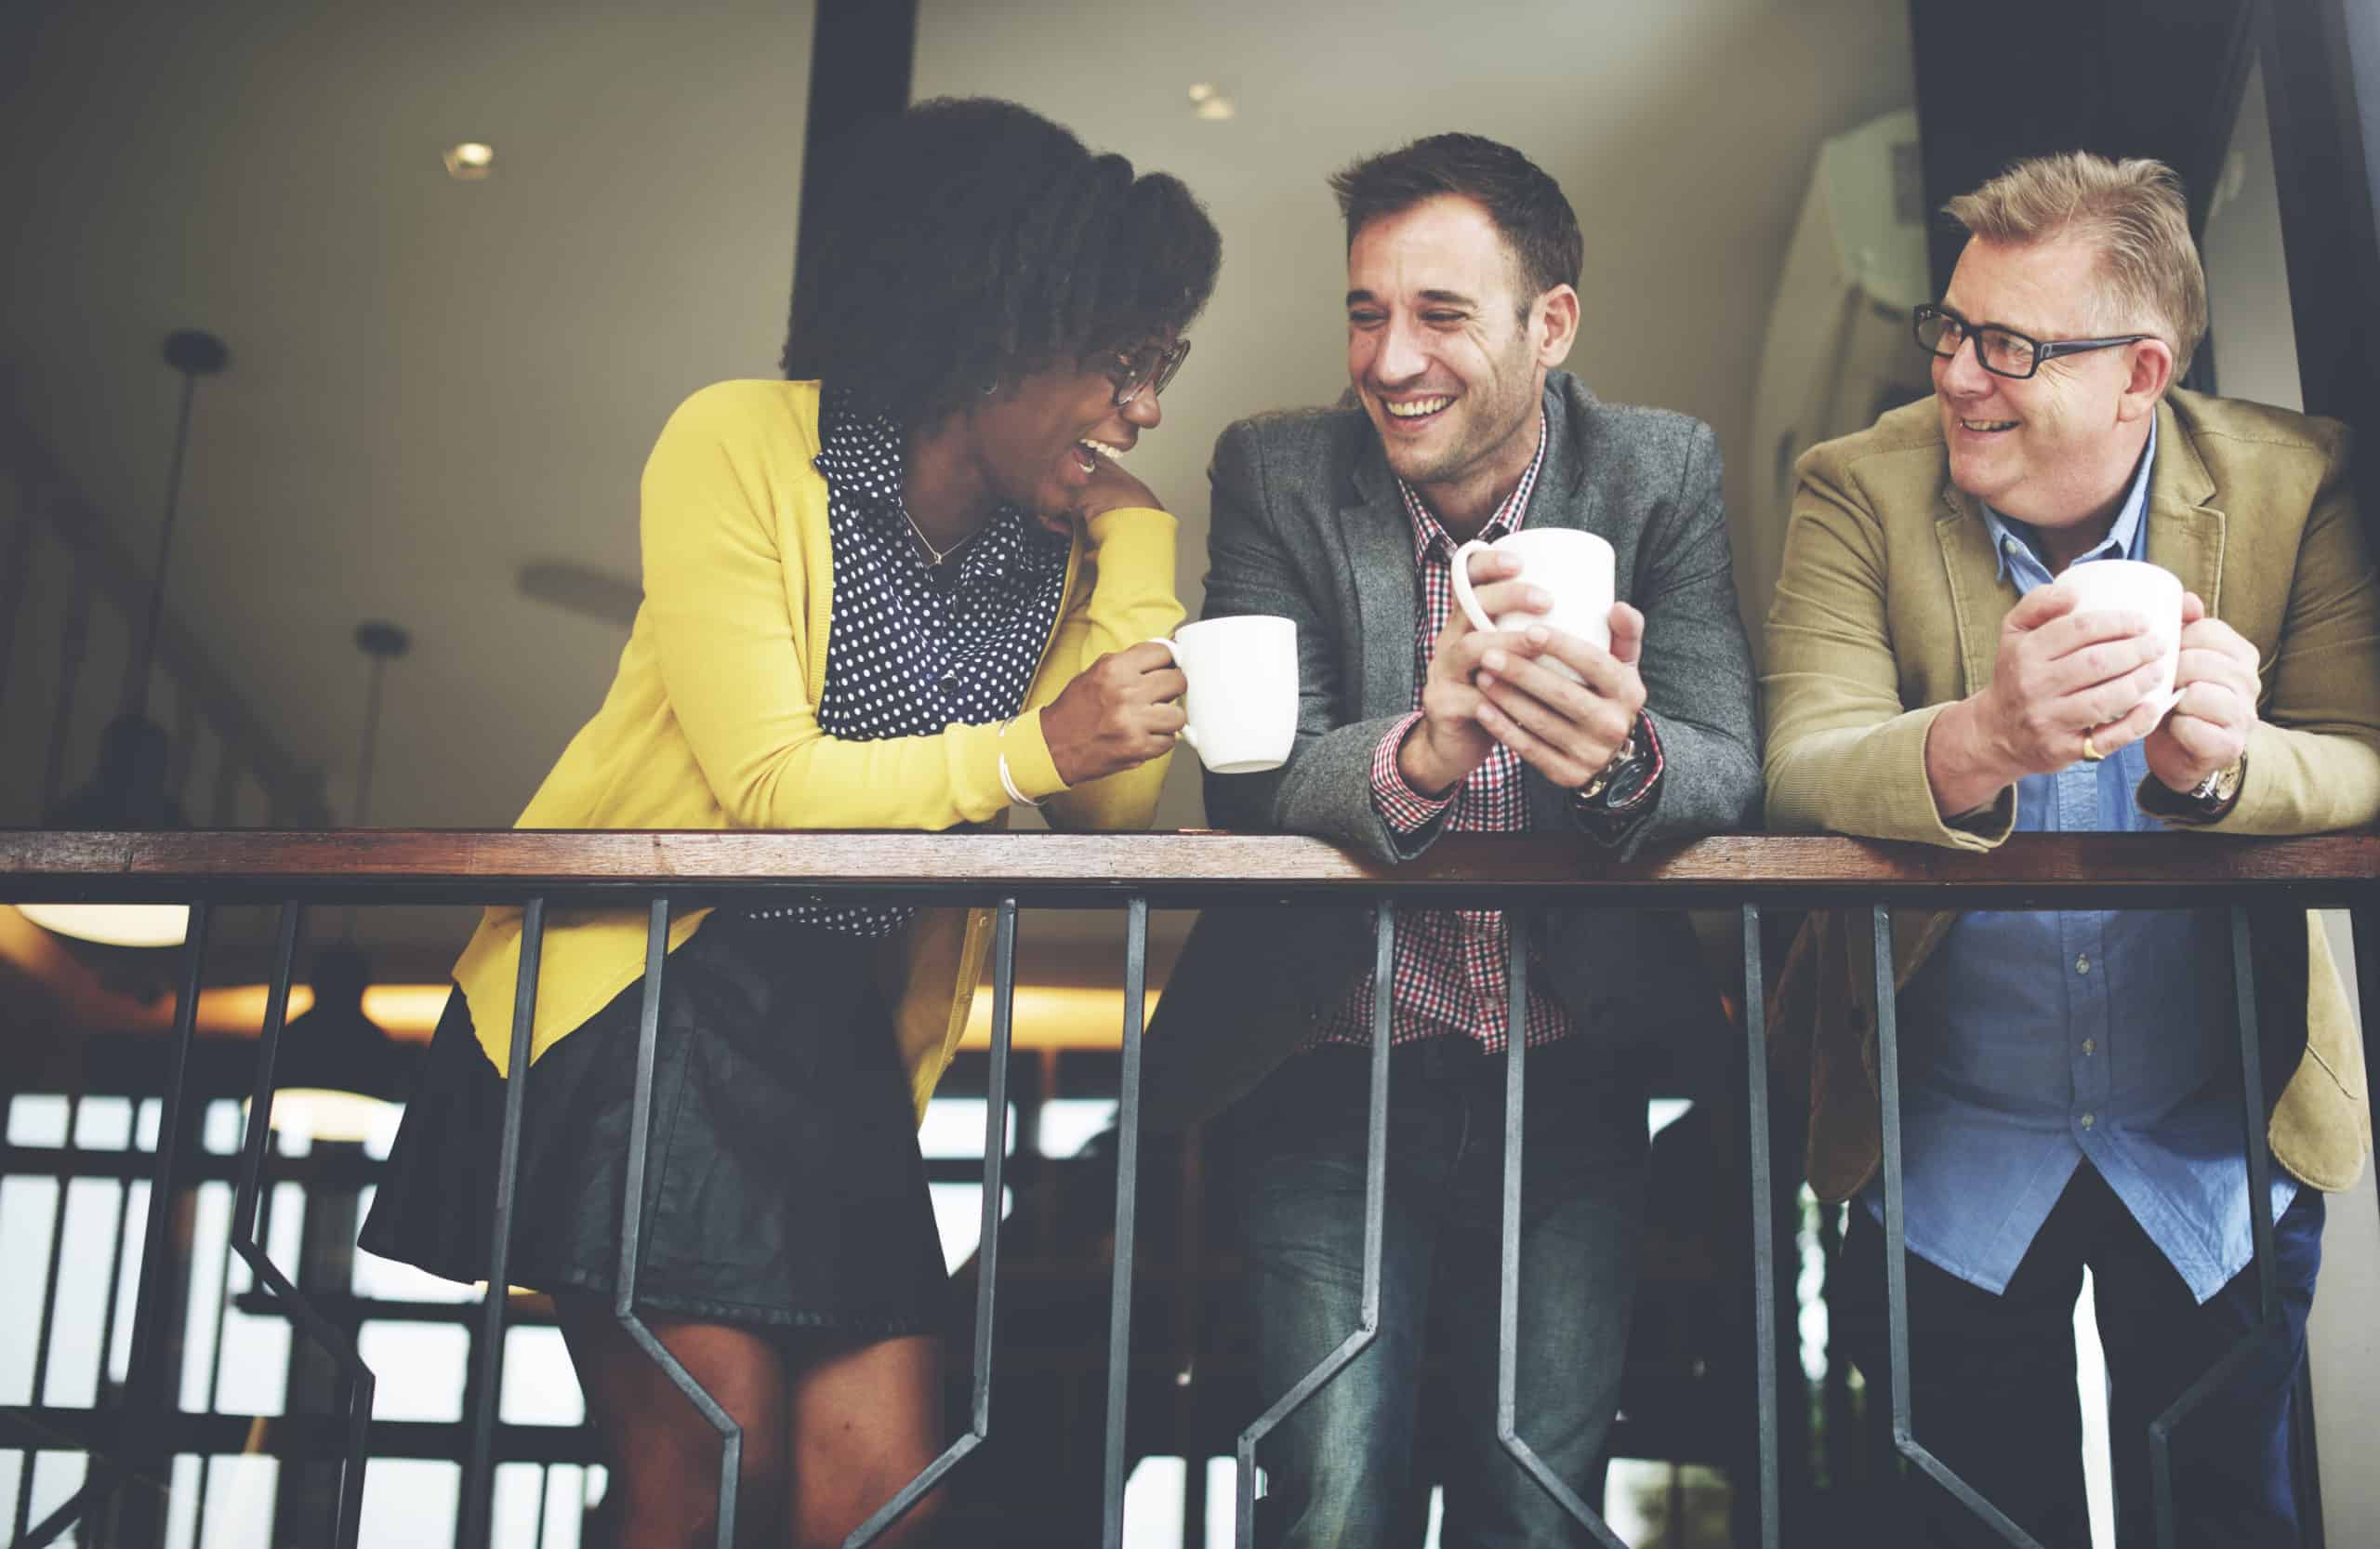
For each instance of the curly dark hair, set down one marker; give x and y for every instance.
(1528, 207)
(975, 242)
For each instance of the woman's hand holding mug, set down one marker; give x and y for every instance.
(1117, 713)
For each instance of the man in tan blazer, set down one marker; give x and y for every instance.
(2071, 1082)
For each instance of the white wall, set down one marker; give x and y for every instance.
(2256, 357)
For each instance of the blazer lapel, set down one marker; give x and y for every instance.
(1379, 541)
(1561, 498)
(1980, 598)
(2186, 534)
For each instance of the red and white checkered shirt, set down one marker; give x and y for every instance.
(1449, 966)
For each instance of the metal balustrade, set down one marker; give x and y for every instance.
(128, 1446)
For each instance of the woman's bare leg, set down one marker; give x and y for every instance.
(663, 1454)
(864, 1420)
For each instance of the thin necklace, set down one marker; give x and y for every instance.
(942, 564)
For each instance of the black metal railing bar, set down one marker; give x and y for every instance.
(247, 1241)
(633, 1212)
(1375, 1218)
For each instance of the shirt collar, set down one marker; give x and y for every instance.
(2011, 538)
(1428, 533)
(859, 453)
(860, 456)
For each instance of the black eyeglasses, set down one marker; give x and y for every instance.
(2001, 351)
(1150, 368)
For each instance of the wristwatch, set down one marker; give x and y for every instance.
(1600, 780)
(1630, 775)
(2218, 790)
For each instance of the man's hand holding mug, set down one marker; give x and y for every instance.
(1536, 656)
(2086, 666)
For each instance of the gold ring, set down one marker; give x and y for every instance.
(2091, 753)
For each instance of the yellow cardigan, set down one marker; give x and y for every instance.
(711, 721)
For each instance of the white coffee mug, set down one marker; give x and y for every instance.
(2134, 586)
(1576, 568)
(1243, 698)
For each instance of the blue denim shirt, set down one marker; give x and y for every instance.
(2031, 1041)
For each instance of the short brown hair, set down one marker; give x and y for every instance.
(2132, 211)
(1540, 230)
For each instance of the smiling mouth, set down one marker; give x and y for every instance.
(1987, 427)
(1415, 408)
(1087, 452)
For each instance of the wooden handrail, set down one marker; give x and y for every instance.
(1187, 867)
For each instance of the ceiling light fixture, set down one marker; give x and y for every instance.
(1208, 102)
(469, 161)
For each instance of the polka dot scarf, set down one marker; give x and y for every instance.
(917, 647)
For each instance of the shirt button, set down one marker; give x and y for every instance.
(2088, 1120)
(948, 685)
(2090, 1046)
(2082, 962)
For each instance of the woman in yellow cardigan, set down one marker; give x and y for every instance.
(904, 595)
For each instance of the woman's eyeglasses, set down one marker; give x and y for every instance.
(1149, 367)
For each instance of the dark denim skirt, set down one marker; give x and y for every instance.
(783, 1184)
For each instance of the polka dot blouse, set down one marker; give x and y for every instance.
(916, 647)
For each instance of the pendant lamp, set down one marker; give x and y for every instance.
(340, 1075)
(128, 791)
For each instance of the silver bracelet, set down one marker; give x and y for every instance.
(1007, 780)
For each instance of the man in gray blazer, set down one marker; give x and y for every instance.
(1463, 258)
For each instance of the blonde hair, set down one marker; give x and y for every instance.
(2132, 211)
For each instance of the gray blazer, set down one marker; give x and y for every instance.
(1307, 522)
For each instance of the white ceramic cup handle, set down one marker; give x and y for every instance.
(1462, 595)
(1174, 651)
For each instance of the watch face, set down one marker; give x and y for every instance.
(1630, 778)
(1615, 776)
(2220, 787)
(1628, 785)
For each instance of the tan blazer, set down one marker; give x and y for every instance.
(1888, 608)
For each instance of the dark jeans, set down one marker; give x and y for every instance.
(1993, 1383)
(1342, 1470)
